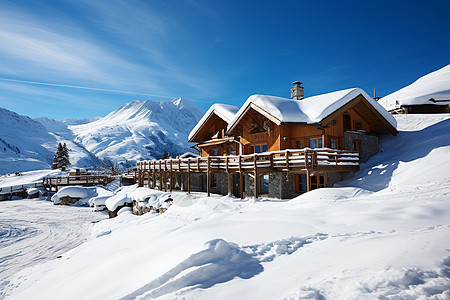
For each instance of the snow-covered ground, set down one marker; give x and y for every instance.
(36, 231)
(384, 234)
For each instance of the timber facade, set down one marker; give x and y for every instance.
(254, 150)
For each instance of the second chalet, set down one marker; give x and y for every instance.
(278, 147)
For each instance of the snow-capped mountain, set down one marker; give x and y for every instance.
(137, 130)
(27, 144)
(21, 143)
(140, 130)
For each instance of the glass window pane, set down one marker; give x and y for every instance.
(264, 148)
(313, 179)
(313, 143)
(320, 143)
(303, 178)
(303, 187)
(333, 143)
(321, 179)
(257, 148)
(299, 144)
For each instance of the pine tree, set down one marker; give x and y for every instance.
(65, 162)
(61, 158)
(55, 162)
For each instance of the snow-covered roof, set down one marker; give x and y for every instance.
(188, 154)
(434, 85)
(309, 110)
(224, 111)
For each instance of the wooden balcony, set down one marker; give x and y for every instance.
(257, 164)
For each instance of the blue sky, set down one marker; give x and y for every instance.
(209, 51)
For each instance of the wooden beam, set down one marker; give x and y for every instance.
(154, 175)
(171, 176)
(189, 176)
(241, 179)
(308, 180)
(255, 173)
(228, 177)
(208, 177)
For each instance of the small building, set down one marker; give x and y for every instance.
(278, 147)
(78, 172)
(429, 94)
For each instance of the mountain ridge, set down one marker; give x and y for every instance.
(136, 130)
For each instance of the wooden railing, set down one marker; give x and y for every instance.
(83, 180)
(291, 159)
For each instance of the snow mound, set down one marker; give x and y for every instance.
(88, 196)
(120, 198)
(222, 261)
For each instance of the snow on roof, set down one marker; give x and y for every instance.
(309, 110)
(187, 155)
(224, 111)
(434, 85)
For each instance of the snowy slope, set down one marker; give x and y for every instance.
(79, 156)
(384, 234)
(140, 130)
(435, 85)
(27, 144)
(22, 143)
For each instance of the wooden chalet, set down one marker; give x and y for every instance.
(276, 146)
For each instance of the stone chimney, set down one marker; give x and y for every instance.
(297, 92)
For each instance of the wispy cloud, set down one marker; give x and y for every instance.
(134, 56)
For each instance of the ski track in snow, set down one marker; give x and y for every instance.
(35, 231)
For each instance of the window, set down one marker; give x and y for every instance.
(230, 150)
(333, 143)
(299, 144)
(317, 181)
(347, 122)
(215, 152)
(300, 183)
(259, 148)
(315, 143)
